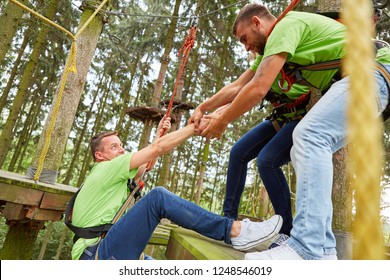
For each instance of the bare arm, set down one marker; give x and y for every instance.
(222, 97)
(163, 126)
(250, 95)
(161, 146)
(206, 118)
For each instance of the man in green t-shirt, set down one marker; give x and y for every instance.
(269, 142)
(303, 39)
(105, 190)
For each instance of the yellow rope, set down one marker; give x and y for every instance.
(70, 66)
(48, 21)
(90, 18)
(51, 126)
(365, 130)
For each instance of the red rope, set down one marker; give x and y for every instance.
(284, 78)
(282, 15)
(299, 101)
(184, 51)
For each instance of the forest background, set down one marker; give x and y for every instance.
(138, 40)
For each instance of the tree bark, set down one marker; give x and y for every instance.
(342, 192)
(95, 130)
(24, 234)
(9, 23)
(86, 45)
(202, 170)
(16, 66)
(21, 96)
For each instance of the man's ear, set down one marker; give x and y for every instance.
(98, 156)
(256, 21)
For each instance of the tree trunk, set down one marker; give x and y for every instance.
(9, 23)
(264, 203)
(24, 134)
(62, 241)
(329, 6)
(80, 138)
(165, 57)
(24, 234)
(15, 68)
(86, 45)
(342, 193)
(148, 125)
(21, 96)
(95, 129)
(167, 159)
(173, 180)
(127, 90)
(202, 170)
(45, 241)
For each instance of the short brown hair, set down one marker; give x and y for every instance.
(97, 139)
(249, 11)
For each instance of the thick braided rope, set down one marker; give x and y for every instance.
(56, 109)
(364, 130)
(69, 67)
(44, 19)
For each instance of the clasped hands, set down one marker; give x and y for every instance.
(210, 126)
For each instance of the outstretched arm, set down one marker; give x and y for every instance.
(250, 95)
(161, 146)
(163, 127)
(222, 97)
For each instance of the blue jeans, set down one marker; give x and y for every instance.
(272, 150)
(129, 236)
(318, 135)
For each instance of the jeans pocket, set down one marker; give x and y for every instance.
(89, 252)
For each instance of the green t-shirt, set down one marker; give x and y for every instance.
(103, 193)
(383, 56)
(308, 39)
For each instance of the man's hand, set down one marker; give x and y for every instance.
(164, 125)
(215, 127)
(195, 119)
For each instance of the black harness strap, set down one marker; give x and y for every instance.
(100, 230)
(83, 232)
(294, 72)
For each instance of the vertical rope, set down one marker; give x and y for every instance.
(364, 130)
(68, 68)
(184, 52)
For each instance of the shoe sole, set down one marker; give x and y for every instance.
(255, 243)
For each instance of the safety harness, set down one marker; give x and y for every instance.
(292, 73)
(285, 109)
(101, 230)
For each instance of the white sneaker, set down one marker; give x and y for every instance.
(252, 233)
(282, 252)
(279, 240)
